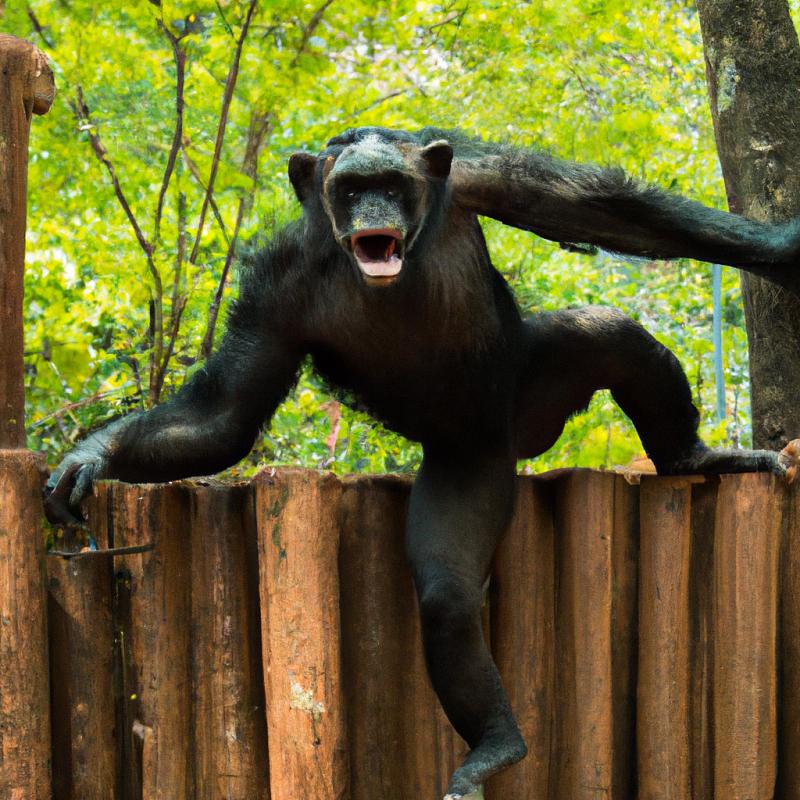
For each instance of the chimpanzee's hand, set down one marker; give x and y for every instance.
(71, 482)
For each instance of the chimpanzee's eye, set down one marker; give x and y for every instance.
(391, 192)
(351, 194)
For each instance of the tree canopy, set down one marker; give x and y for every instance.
(166, 151)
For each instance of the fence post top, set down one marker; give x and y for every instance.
(21, 56)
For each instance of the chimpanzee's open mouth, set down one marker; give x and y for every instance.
(379, 253)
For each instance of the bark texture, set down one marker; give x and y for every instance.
(184, 716)
(24, 695)
(753, 71)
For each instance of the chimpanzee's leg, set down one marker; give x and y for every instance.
(573, 353)
(459, 509)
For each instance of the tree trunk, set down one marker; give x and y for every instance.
(753, 71)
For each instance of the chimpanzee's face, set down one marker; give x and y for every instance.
(375, 202)
(375, 194)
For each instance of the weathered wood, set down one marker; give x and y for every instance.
(788, 787)
(190, 697)
(746, 547)
(624, 635)
(298, 540)
(24, 689)
(663, 690)
(583, 753)
(122, 704)
(230, 735)
(82, 667)
(701, 621)
(350, 710)
(591, 636)
(26, 87)
(401, 745)
(155, 640)
(523, 637)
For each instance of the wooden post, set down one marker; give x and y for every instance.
(154, 637)
(701, 650)
(229, 715)
(297, 514)
(26, 87)
(523, 637)
(624, 634)
(24, 693)
(82, 662)
(789, 733)
(596, 618)
(746, 547)
(664, 639)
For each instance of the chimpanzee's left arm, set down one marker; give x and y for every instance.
(212, 422)
(578, 204)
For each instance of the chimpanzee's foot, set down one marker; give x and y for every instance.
(713, 460)
(476, 795)
(489, 757)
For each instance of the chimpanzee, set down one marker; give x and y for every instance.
(387, 283)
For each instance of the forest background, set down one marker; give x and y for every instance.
(165, 156)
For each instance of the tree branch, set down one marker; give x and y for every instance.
(308, 31)
(379, 101)
(230, 85)
(177, 138)
(70, 407)
(454, 16)
(37, 26)
(195, 173)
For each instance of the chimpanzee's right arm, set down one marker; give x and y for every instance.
(212, 422)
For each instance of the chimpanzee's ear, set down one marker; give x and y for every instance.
(302, 167)
(438, 156)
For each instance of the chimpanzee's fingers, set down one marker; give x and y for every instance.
(82, 488)
(57, 492)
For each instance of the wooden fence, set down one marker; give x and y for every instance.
(265, 644)
(268, 646)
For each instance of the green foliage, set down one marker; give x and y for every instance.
(596, 80)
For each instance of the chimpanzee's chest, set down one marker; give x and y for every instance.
(426, 375)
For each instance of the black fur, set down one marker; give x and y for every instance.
(440, 353)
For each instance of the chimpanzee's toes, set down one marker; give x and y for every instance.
(464, 787)
(476, 795)
(789, 460)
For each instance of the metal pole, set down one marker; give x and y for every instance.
(719, 375)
